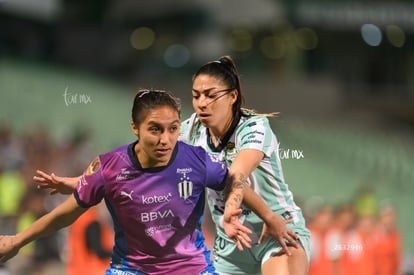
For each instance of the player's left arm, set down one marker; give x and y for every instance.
(239, 192)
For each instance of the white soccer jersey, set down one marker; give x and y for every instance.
(267, 179)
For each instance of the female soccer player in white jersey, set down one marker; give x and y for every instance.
(153, 188)
(245, 140)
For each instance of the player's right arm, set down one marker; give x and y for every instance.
(56, 184)
(246, 161)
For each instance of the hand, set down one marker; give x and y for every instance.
(62, 185)
(7, 248)
(278, 230)
(234, 229)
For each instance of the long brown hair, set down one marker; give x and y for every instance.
(225, 70)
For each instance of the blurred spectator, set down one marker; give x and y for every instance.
(366, 202)
(388, 246)
(320, 224)
(21, 203)
(28, 260)
(72, 154)
(12, 189)
(11, 155)
(360, 247)
(90, 241)
(37, 147)
(338, 238)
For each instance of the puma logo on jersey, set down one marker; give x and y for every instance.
(129, 195)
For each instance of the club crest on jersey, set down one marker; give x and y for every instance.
(230, 153)
(185, 186)
(93, 166)
(230, 145)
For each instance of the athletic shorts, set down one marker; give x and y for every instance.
(228, 259)
(123, 271)
(209, 270)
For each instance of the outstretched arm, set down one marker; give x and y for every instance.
(62, 216)
(243, 165)
(56, 184)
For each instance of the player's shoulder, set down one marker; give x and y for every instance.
(105, 162)
(191, 148)
(256, 121)
(120, 151)
(256, 118)
(200, 153)
(194, 153)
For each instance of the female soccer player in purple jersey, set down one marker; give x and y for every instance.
(154, 190)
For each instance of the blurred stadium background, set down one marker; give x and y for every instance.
(339, 72)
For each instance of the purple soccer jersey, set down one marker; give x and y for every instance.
(156, 211)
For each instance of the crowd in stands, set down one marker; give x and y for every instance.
(359, 238)
(21, 154)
